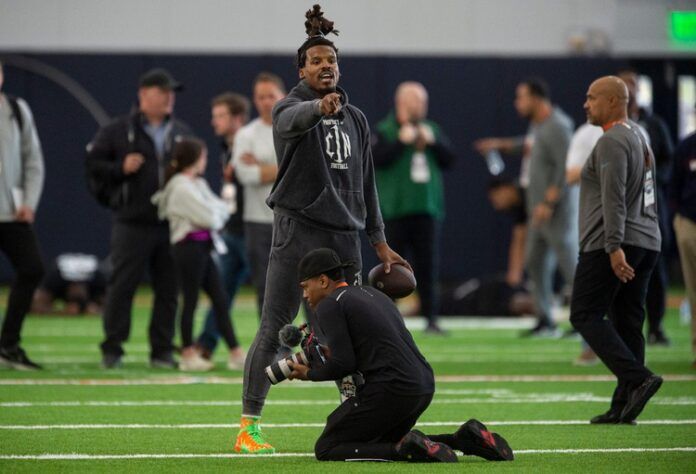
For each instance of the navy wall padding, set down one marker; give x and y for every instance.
(470, 97)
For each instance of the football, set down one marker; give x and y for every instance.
(398, 283)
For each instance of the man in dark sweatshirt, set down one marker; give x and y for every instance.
(323, 196)
(619, 247)
(365, 332)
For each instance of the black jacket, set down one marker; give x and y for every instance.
(105, 155)
(365, 332)
(325, 173)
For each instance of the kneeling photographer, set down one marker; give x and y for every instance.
(365, 333)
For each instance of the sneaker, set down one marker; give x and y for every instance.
(612, 417)
(478, 441)
(543, 331)
(111, 361)
(250, 440)
(639, 396)
(586, 358)
(658, 338)
(163, 361)
(571, 333)
(434, 330)
(206, 353)
(16, 358)
(191, 361)
(416, 447)
(236, 361)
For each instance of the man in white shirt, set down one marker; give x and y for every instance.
(256, 167)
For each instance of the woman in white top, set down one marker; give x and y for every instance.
(195, 214)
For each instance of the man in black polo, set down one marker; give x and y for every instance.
(619, 246)
(365, 333)
(129, 157)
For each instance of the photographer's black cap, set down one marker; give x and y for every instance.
(159, 77)
(319, 261)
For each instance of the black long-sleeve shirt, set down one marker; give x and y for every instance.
(365, 332)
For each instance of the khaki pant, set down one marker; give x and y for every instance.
(685, 230)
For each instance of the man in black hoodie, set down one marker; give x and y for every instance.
(323, 196)
(129, 155)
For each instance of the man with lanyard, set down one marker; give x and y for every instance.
(131, 154)
(366, 333)
(323, 196)
(410, 153)
(619, 246)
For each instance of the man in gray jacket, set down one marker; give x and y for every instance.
(21, 182)
(323, 196)
(619, 247)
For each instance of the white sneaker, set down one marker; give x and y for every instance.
(195, 363)
(236, 361)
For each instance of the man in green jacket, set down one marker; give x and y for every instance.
(409, 155)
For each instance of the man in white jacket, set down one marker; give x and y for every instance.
(256, 167)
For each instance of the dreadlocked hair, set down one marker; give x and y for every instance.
(317, 28)
(316, 24)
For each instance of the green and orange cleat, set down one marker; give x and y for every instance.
(250, 440)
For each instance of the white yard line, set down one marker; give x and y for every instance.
(453, 358)
(531, 398)
(211, 379)
(92, 457)
(197, 426)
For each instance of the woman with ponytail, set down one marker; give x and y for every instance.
(195, 214)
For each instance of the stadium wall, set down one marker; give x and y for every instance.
(470, 96)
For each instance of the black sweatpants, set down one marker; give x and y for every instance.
(368, 426)
(18, 243)
(417, 239)
(135, 247)
(618, 340)
(196, 269)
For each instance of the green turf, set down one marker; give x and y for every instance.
(68, 347)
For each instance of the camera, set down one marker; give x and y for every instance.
(310, 354)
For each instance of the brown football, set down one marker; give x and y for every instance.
(398, 283)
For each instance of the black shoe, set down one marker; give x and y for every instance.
(639, 396)
(435, 330)
(543, 330)
(111, 361)
(416, 447)
(658, 338)
(164, 361)
(16, 358)
(475, 439)
(612, 417)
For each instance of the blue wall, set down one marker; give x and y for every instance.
(470, 98)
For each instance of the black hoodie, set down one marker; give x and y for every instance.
(325, 172)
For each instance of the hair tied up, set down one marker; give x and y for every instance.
(316, 24)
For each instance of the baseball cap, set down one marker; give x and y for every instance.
(159, 77)
(319, 261)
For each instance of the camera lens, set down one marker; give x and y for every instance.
(280, 370)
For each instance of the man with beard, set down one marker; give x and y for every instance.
(323, 196)
(552, 214)
(619, 247)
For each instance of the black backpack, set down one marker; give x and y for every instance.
(16, 111)
(107, 193)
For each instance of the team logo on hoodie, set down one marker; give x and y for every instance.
(337, 145)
